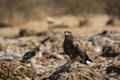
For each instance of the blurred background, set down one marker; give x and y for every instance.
(34, 14)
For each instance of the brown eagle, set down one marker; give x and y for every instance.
(74, 49)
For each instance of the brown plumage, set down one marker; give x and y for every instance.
(74, 49)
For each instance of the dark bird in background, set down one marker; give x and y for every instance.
(104, 32)
(113, 69)
(110, 21)
(110, 51)
(74, 49)
(30, 56)
(22, 32)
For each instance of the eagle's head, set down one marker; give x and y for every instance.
(68, 35)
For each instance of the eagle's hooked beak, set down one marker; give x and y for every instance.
(66, 33)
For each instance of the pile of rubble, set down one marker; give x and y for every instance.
(103, 48)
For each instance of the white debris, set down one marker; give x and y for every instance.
(97, 49)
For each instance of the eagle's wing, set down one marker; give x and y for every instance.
(77, 44)
(80, 49)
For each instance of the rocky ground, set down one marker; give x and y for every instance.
(102, 45)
